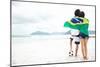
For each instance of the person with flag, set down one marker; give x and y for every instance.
(83, 29)
(75, 34)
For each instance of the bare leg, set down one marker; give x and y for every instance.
(71, 44)
(76, 50)
(85, 47)
(71, 52)
(82, 46)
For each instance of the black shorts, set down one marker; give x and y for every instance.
(82, 35)
(77, 43)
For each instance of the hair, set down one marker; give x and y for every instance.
(82, 14)
(77, 12)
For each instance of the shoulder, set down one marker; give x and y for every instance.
(85, 20)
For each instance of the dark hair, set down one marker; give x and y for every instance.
(77, 12)
(82, 14)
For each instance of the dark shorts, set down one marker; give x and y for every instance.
(77, 43)
(82, 35)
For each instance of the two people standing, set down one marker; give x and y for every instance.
(80, 23)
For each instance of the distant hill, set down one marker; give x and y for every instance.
(56, 33)
(46, 33)
(91, 32)
(40, 33)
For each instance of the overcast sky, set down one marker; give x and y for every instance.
(30, 17)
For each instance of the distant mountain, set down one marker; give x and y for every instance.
(40, 33)
(91, 32)
(46, 33)
(56, 33)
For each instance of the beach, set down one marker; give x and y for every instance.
(43, 49)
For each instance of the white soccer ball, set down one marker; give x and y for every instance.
(71, 53)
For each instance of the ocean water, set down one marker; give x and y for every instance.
(24, 38)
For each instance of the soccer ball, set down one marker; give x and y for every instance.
(71, 53)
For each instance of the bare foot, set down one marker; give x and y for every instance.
(85, 58)
(75, 55)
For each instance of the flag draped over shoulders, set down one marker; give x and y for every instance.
(82, 27)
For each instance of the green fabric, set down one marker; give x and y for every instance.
(82, 27)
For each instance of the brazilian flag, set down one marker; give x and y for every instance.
(82, 27)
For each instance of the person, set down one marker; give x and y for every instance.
(83, 32)
(74, 37)
(75, 33)
(84, 37)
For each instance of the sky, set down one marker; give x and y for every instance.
(30, 17)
